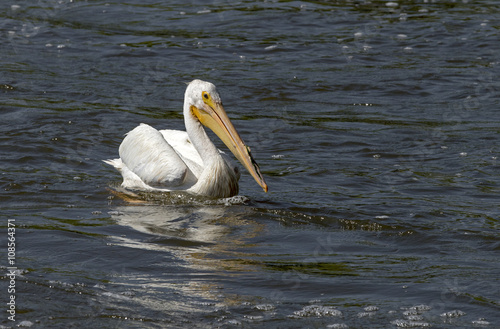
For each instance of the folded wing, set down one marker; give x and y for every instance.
(146, 153)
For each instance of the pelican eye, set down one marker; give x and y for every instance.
(206, 95)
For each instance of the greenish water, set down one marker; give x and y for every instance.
(374, 123)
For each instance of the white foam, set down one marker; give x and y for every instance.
(453, 314)
(409, 324)
(317, 310)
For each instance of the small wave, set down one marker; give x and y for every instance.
(316, 310)
(174, 198)
(410, 324)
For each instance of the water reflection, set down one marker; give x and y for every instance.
(206, 244)
(171, 225)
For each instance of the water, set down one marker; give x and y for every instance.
(375, 123)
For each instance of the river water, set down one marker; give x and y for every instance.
(375, 123)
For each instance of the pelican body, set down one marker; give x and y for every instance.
(172, 160)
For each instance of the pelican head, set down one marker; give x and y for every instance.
(202, 101)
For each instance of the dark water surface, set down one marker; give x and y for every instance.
(375, 123)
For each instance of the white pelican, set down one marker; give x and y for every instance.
(172, 160)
